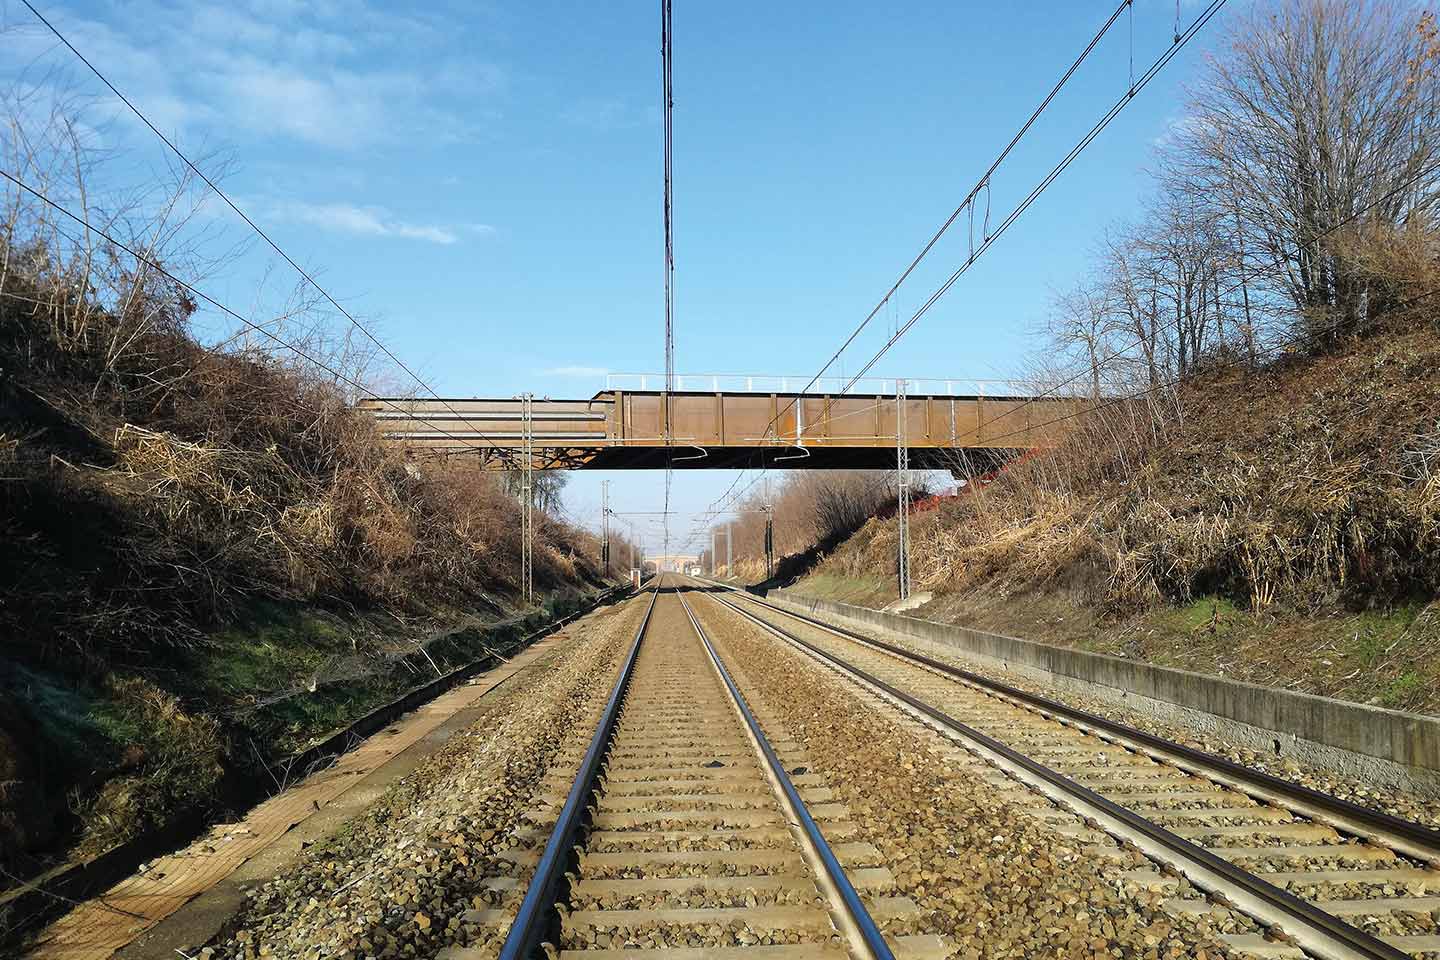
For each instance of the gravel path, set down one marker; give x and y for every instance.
(988, 875)
(433, 863)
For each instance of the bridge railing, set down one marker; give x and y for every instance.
(750, 383)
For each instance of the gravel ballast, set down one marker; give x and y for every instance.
(425, 868)
(1395, 802)
(987, 874)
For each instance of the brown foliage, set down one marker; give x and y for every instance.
(1311, 482)
(210, 478)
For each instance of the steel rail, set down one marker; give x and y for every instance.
(536, 910)
(855, 921)
(1405, 836)
(1314, 930)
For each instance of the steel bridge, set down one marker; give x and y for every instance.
(624, 429)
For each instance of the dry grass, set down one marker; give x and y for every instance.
(221, 477)
(1308, 484)
(154, 492)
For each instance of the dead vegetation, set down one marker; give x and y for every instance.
(157, 489)
(812, 512)
(1299, 484)
(1295, 506)
(245, 478)
(1259, 350)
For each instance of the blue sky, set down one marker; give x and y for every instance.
(482, 180)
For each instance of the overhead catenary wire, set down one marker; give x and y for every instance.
(668, 107)
(1275, 348)
(1179, 43)
(981, 185)
(1280, 346)
(243, 215)
(201, 295)
(1277, 266)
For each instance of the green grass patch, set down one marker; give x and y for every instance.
(1405, 690)
(79, 729)
(294, 723)
(275, 649)
(1376, 634)
(869, 591)
(1216, 614)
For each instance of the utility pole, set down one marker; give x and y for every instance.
(527, 498)
(769, 533)
(730, 548)
(605, 525)
(902, 484)
(769, 541)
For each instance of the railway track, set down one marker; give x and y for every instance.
(687, 831)
(1328, 878)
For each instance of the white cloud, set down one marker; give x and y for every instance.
(433, 234)
(340, 75)
(575, 371)
(351, 218)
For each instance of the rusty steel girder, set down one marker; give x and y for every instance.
(622, 429)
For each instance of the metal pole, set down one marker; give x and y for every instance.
(730, 548)
(769, 541)
(527, 498)
(902, 484)
(769, 533)
(605, 525)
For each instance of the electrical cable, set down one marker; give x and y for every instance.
(982, 184)
(1159, 64)
(1179, 42)
(241, 213)
(1276, 266)
(199, 294)
(1278, 347)
(666, 59)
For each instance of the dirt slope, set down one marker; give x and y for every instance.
(208, 560)
(1286, 530)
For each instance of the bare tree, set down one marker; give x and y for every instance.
(1320, 113)
(1185, 256)
(1081, 327)
(1133, 296)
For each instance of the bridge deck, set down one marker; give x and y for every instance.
(618, 429)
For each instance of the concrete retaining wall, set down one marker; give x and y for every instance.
(1402, 749)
